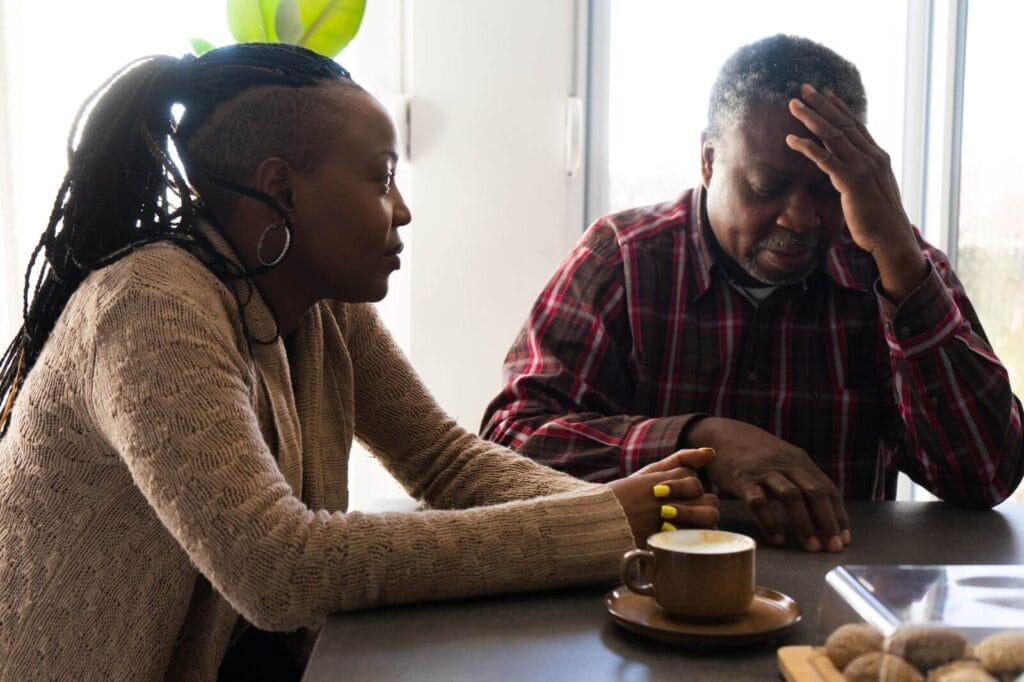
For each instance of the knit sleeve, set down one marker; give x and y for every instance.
(172, 398)
(426, 450)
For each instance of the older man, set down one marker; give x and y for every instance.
(785, 313)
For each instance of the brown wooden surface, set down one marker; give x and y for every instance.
(568, 635)
(806, 664)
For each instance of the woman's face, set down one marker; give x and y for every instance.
(347, 212)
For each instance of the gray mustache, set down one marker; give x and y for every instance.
(787, 241)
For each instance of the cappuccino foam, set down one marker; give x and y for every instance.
(701, 541)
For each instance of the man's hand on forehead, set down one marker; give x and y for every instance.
(861, 172)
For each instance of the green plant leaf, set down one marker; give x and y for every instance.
(329, 25)
(253, 20)
(288, 22)
(200, 46)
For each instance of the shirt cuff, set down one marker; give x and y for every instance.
(650, 440)
(923, 320)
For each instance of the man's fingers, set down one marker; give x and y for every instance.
(841, 516)
(824, 158)
(693, 459)
(792, 499)
(755, 497)
(833, 138)
(826, 506)
(830, 118)
(842, 107)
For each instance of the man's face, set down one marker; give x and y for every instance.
(772, 211)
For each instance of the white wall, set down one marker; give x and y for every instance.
(494, 208)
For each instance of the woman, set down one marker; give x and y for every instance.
(180, 402)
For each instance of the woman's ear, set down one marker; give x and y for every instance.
(275, 177)
(707, 158)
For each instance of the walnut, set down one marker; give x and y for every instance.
(1002, 652)
(850, 641)
(960, 671)
(926, 647)
(878, 667)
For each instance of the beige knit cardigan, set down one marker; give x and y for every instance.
(160, 478)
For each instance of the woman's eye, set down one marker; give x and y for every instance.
(386, 180)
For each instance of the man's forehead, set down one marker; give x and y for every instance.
(760, 135)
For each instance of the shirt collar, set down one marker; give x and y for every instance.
(703, 262)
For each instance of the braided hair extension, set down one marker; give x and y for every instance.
(123, 190)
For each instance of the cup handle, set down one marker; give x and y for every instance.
(629, 576)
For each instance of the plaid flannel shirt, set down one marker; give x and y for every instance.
(640, 329)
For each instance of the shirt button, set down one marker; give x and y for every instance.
(933, 402)
(752, 376)
(904, 331)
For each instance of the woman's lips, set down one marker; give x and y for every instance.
(392, 259)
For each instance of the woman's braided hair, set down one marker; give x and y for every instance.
(123, 189)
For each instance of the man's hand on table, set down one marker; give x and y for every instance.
(667, 491)
(758, 468)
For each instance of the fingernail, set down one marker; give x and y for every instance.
(710, 451)
(846, 537)
(661, 490)
(668, 526)
(809, 88)
(668, 511)
(835, 544)
(813, 545)
(778, 539)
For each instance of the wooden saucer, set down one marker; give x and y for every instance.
(770, 615)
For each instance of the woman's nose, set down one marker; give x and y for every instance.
(401, 215)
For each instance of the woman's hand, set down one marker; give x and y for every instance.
(667, 491)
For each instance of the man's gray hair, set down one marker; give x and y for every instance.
(772, 70)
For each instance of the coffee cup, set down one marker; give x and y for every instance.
(694, 574)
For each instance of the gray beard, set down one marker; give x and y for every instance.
(783, 240)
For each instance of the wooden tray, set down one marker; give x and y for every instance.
(807, 664)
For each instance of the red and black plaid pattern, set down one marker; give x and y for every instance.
(639, 329)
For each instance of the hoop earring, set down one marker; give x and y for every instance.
(278, 224)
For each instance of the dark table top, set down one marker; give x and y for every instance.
(569, 635)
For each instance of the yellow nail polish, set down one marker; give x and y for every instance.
(668, 511)
(668, 526)
(662, 490)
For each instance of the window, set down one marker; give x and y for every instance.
(649, 105)
(664, 56)
(46, 75)
(990, 234)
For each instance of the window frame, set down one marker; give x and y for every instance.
(935, 55)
